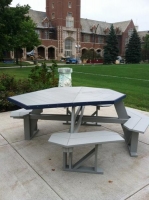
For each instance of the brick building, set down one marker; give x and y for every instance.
(63, 33)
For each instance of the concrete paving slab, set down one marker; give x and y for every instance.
(33, 169)
(142, 194)
(122, 173)
(2, 141)
(18, 181)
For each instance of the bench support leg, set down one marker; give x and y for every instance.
(131, 139)
(30, 125)
(77, 167)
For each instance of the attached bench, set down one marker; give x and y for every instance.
(70, 140)
(20, 114)
(138, 123)
(30, 126)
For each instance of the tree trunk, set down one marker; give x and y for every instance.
(17, 60)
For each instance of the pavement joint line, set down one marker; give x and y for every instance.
(112, 76)
(137, 191)
(32, 167)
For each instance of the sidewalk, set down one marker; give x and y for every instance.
(32, 170)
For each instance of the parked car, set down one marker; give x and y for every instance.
(71, 61)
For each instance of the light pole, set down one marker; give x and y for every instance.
(77, 51)
(94, 29)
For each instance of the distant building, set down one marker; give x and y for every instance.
(142, 35)
(64, 34)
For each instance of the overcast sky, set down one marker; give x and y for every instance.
(106, 10)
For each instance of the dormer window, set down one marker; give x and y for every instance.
(46, 24)
(69, 4)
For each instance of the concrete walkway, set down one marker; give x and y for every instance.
(32, 170)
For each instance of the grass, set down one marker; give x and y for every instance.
(13, 64)
(19, 73)
(132, 80)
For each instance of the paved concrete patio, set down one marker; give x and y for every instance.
(32, 170)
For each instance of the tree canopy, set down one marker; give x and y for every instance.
(133, 49)
(145, 48)
(111, 49)
(17, 30)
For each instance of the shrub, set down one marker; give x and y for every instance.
(40, 78)
(43, 76)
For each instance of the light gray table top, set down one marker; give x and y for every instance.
(66, 97)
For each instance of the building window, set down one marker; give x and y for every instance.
(53, 15)
(130, 31)
(100, 39)
(52, 5)
(86, 38)
(38, 33)
(126, 41)
(46, 24)
(69, 4)
(68, 48)
(46, 35)
(69, 14)
(69, 22)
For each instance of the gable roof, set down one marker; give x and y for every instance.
(37, 17)
(86, 25)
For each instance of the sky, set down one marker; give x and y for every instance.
(105, 10)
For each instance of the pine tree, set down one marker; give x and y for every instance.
(145, 48)
(133, 49)
(111, 49)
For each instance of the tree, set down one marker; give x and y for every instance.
(90, 54)
(145, 48)
(111, 48)
(133, 49)
(3, 34)
(19, 29)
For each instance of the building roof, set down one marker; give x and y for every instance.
(142, 34)
(86, 24)
(37, 17)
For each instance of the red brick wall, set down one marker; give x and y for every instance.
(61, 9)
(124, 36)
(49, 43)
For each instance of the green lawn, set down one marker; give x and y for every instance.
(19, 73)
(132, 80)
(13, 64)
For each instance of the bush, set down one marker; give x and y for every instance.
(10, 87)
(40, 78)
(43, 76)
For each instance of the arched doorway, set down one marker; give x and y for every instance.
(84, 51)
(51, 53)
(30, 53)
(18, 53)
(41, 52)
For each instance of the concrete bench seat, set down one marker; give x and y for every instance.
(20, 113)
(70, 140)
(30, 125)
(137, 123)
